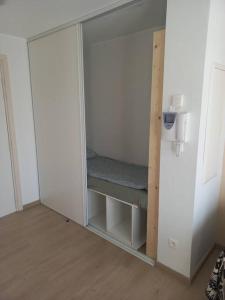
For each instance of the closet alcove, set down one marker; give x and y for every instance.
(118, 63)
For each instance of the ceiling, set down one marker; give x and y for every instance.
(131, 18)
(26, 18)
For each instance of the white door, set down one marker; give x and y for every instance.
(57, 98)
(214, 138)
(7, 200)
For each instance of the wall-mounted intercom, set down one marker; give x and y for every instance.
(175, 123)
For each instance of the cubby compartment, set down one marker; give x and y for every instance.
(139, 227)
(119, 220)
(97, 210)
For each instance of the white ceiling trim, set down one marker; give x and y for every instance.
(94, 13)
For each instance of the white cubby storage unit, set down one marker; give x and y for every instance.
(122, 221)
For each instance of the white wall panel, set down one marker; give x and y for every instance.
(207, 193)
(117, 82)
(186, 39)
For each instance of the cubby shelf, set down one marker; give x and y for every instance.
(122, 232)
(123, 222)
(99, 221)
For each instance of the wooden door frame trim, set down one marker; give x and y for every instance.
(7, 98)
(155, 143)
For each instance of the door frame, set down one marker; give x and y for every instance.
(7, 98)
(80, 55)
(219, 67)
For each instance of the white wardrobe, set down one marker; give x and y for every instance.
(58, 88)
(56, 76)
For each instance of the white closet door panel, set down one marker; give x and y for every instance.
(7, 200)
(55, 79)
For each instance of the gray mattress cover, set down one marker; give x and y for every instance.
(118, 172)
(126, 194)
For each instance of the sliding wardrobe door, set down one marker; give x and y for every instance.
(56, 77)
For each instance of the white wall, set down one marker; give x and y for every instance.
(16, 51)
(118, 77)
(186, 37)
(207, 194)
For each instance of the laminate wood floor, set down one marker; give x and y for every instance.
(44, 257)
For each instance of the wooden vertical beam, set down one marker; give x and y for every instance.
(154, 143)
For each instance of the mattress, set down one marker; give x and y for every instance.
(126, 194)
(114, 171)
